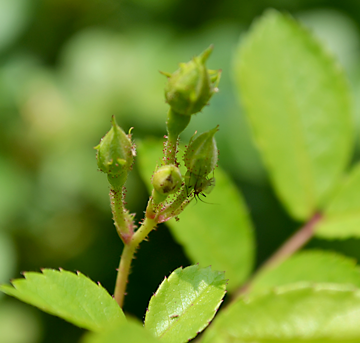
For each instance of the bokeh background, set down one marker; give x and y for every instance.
(66, 66)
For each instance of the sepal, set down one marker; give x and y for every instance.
(190, 87)
(115, 153)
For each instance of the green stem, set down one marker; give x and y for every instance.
(117, 210)
(123, 221)
(176, 123)
(170, 149)
(127, 256)
(176, 207)
(155, 200)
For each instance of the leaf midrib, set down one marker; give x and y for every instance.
(299, 137)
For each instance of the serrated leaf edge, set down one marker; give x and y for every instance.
(7, 289)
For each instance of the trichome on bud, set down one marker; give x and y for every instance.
(115, 153)
(201, 156)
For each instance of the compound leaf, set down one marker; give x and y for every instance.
(310, 265)
(185, 303)
(297, 101)
(210, 233)
(73, 297)
(295, 313)
(341, 219)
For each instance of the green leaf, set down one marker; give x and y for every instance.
(341, 219)
(219, 234)
(322, 313)
(185, 303)
(73, 297)
(315, 266)
(297, 102)
(128, 332)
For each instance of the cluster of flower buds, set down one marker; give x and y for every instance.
(187, 91)
(200, 159)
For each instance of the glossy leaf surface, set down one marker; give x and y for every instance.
(324, 313)
(297, 102)
(185, 303)
(310, 265)
(72, 297)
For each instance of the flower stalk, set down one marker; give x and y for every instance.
(187, 91)
(128, 255)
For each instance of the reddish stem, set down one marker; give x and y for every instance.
(292, 245)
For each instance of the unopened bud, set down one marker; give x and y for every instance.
(115, 153)
(190, 87)
(202, 154)
(167, 180)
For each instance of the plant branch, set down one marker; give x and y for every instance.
(170, 149)
(122, 220)
(292, 245)
(175, 123)
(128, 255)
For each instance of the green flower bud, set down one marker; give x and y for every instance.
(167, 179)
(190, 88)
(201, 155)
(115, 153)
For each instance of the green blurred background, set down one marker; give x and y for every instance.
(66, 66)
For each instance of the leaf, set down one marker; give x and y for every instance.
(322, 313)
(219, 234)
(341, 219)
(185, 303)
(73, 297)
(128, 332)
(314, 266)
(297, 102)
